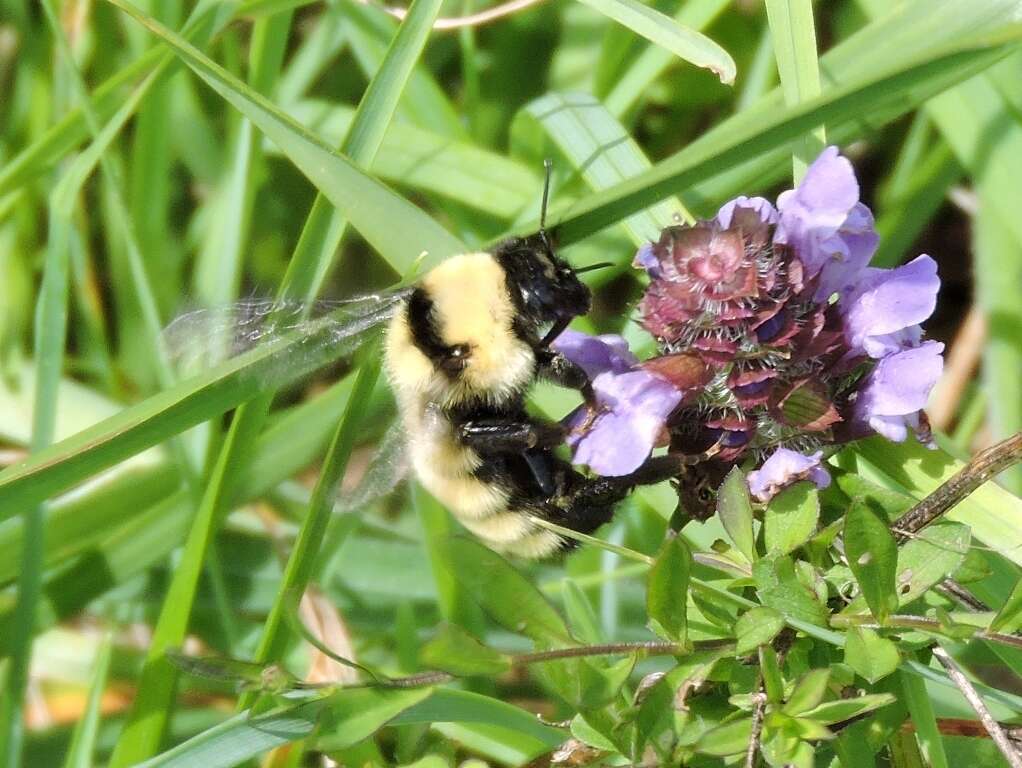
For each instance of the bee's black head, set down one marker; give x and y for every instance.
(543, 287)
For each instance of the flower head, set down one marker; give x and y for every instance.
(775, 334)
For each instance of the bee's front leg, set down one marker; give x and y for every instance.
(555, 367)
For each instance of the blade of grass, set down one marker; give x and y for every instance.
(684, 42)
(370, 206)
(308, 268)
(83, 742)
(628, 90)
(599, 147)
(993, 514)
(892, 90)
(217, 276)
(920, 710)
(998, 274)
(794, 35)
(302, 559)
(207, 19)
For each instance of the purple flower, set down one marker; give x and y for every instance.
(894, 393)
(824, 222)
(634, 404)
(763, 208)
(786, 467)
(595, 354)
(883, 313)
(634, 411)
(644, 259)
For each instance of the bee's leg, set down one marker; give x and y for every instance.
(555, 367)
(591, 502)
(494, 436)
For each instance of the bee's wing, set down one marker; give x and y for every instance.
(204, 338)
(388, 467)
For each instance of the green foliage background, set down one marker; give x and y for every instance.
(160, 157)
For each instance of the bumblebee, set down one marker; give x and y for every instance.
(462, 351)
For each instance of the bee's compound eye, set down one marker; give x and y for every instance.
(456, 358)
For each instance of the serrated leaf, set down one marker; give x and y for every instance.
(791, 517)
(453, 650)
(734, 507)
(871, 656)
(667, 590)
(779, 588)
(873, 558)
(756, 627)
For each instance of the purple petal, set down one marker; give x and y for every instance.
(897, 389)
(638, 404)
(823, 220)
(595, 354)
(645, 259)
(881, 314)
(786, 467)
(762, 206)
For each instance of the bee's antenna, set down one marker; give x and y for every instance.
(548, 164)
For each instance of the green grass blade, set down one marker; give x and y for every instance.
(324, 227)
(370, 206)
(794, 34)
(998, 274)
(993, 514)
(684, 42)
(920, 709)
(890, 91)
(302, 559)
(83, 742)
(628, 90)
(604, 154)
(267, 368)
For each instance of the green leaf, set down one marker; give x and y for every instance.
(756, 627)
(808, 692)
(891, 86)
(770, 671)
(871, 656)
(991, 512)
(351, 716)
(1009, 616)
(734, 507)
(500, 590)
(604, 153)
(873, 558)
(667, 590)
(661, 29)
(729, 739)
(371, 207)
(920, 709)
(794, 35)
(779, 588)
(454, 650)
(791, 517)
(844, 709)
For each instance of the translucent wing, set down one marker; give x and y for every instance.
(388, 467)
(204, 338)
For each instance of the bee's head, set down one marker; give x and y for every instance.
(544, 287)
